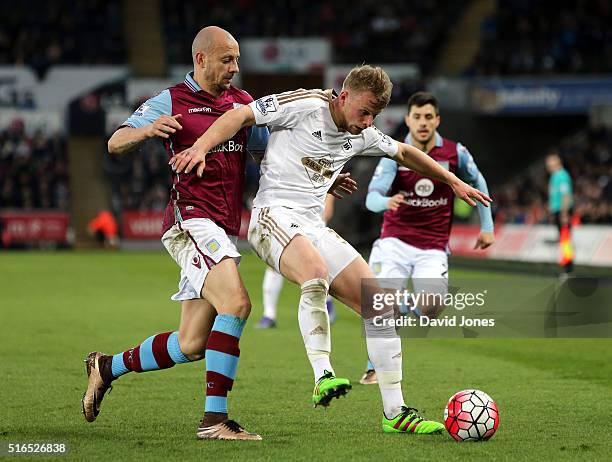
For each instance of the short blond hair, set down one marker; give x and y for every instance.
(370, 78)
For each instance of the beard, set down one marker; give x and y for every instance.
(423, 141)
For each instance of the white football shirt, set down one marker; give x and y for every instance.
(306, 152)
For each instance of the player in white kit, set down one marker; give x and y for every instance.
(313, 133)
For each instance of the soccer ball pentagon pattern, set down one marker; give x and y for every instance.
(471, 415)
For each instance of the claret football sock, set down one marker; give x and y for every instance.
(159, 351)
(222, 354)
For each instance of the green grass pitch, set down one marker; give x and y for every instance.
(555, 396)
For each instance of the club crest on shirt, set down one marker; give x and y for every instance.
(265, 105)
(318, 169)
(213, 245)
(347, 145)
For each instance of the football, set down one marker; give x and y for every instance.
(471, 415)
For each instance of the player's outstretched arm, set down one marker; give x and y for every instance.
(127, 138)
(417, 160)
(222, 130)
(467, 170)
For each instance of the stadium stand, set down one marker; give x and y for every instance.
(62, 32)
(588, 158)
(388, 33)
(527, 37)
(33, 169)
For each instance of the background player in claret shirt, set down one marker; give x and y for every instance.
(419, 211)
(200, 227)
(313, 135)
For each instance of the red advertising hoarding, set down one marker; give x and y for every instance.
(144, 225)
(32, 227)
(138, 224)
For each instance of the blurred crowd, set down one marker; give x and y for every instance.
(91, 31)
(139, 180)
(33, 169)
(587, 157)
(369, 30)
(522, 37)
(546, 37)
(39, 33)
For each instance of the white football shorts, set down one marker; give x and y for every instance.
(393, 259)
(197, 245)
(272, 228)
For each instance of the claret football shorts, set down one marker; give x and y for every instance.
(196, 245)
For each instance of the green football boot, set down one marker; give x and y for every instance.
(329, 387)
(409, 421)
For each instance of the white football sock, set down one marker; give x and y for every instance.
(314, 325)
(385, 352)
(271, 287)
